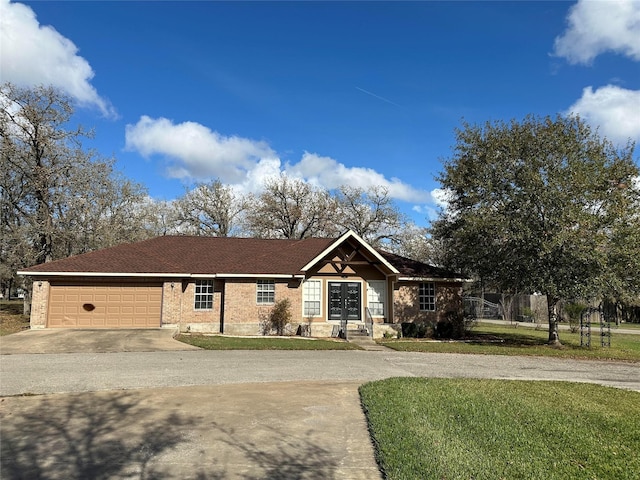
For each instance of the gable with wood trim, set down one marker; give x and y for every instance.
(229, 285)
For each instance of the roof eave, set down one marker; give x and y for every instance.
(99, 274)
(160, 275)
(431, 279)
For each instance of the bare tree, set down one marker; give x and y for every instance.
(416, 243)
(56, 198)
(209, 209)
(160, 217)
(290, 208)
(370, 213)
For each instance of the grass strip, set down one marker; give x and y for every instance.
(493, 429)
(219, 342)
(507, 340)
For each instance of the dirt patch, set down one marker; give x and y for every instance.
(11, 318)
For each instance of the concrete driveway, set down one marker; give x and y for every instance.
(302, 430)
(215, 414)
(91, 341)
(284, 430)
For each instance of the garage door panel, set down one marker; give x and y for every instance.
(105, 306)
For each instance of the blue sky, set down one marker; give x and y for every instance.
(358, 93)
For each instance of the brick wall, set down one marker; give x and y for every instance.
(407, 305)
(178, 307)
(241, 307)
(39, 304)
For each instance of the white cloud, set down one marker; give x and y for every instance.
(329, 173)
(439, 197)
(38, 55)
(596, 27)
(442, 197)
(613, 109)
(193, 151)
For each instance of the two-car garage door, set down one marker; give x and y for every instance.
(105, 306)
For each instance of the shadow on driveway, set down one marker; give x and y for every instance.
(307, 430)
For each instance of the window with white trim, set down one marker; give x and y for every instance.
(376, 294)
(265, 292)
(204, 295)
(311, 298)
(427, 297)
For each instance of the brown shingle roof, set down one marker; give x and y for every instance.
(194, 255)
(216, 255)
(415, 269)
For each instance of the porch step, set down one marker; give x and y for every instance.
(357, 332)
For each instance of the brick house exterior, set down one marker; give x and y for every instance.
(229, 285)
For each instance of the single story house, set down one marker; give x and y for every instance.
(229, 285)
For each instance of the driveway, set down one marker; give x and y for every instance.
(223, 414)
(91, 341)
(302, 430)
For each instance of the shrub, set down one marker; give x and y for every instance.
(572, 311)
(279, 317)
(454, 325)
(416, 330)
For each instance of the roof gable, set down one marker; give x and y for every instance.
(350, 235)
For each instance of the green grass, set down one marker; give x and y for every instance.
(630, 326)
(219, 342)
(493, 429)
(507, 340)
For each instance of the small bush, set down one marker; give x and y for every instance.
(278, 318)
(416, 330)
(571, 312)
(454, 325)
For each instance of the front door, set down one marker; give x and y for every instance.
(344, 301)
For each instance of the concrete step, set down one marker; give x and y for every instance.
(357, 333)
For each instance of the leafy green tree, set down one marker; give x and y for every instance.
(541, 205)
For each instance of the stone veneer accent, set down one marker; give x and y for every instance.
(39, 304)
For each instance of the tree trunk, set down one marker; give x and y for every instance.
(26, 306)
(554, 339)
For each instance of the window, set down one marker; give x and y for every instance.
(427, 297)
(376, 293)
(311, 296)
(204, 295)
(265, 292)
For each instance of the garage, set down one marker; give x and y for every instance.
(105, 306)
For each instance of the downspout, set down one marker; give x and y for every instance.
(222, 305)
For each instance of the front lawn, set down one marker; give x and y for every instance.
(220, 342)
(495, 429)
(507, 340)
(11, 318)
